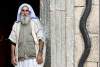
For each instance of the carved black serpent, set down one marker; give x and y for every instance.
(85, 35)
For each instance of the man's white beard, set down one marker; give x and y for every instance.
(25, 19)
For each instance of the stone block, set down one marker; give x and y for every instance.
(79, 47)
(93, 20)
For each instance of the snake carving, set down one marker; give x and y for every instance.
(85, 34)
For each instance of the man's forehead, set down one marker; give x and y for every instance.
(25, 7)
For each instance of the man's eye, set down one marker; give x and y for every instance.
(25, 10)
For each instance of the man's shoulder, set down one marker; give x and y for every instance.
(16, 23)
(35, 20)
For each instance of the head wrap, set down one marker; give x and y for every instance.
(31, 14)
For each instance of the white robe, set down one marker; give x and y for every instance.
(37, 33)
(29, 63)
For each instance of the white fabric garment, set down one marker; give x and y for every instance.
(29, 63)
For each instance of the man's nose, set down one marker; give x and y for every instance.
(25, 13)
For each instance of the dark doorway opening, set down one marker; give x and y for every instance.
(8, 14)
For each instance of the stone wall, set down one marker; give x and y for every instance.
(62, 33)
(64, 41)
(93, 29)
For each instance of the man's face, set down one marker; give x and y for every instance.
(25, 11)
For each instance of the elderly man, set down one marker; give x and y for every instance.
(28, 41)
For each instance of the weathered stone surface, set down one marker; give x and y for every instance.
(91, 64)
(95, 2)
(53, 40)
(58, 57)
(79, 44)
(82, 2)
(60, 25)
(93, 20)
(70, 33)
(63, 39)
(79, 2)
(52, 5)
(69, 8)
(60, 4)
(59, 20)
(78, 13)
(94, 54)
(79, 47)
(98, 64)
(70, 41)
(64, 26)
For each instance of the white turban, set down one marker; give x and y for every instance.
(32, 13)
